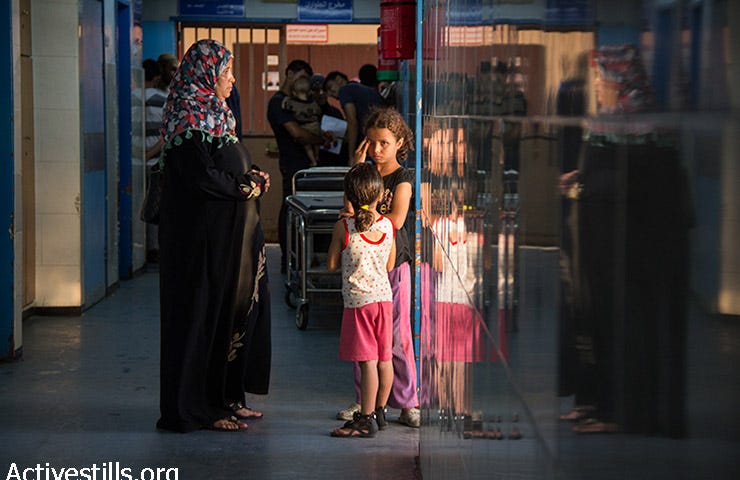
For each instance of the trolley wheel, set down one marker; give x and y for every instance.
(301, 317)
(290, 298)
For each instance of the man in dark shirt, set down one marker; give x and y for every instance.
(357, 100)
(290, 138)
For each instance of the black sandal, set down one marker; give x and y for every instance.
(364, 426)
(355, 417)
(379, 419)
(235, 407)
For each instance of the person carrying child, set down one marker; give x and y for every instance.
(363, 246)
(307, 113)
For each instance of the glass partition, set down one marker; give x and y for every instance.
(579, 287)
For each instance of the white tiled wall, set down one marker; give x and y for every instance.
(57, 132)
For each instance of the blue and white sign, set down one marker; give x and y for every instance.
(325, 11)
(212, 8)
(570, 13)
(465, 12)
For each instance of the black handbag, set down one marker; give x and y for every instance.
(149, 212)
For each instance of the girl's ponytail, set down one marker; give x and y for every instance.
(363, 218)
(362, 187)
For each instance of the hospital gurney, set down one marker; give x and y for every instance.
(312, 210)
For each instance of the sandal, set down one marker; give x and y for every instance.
(229, 424)
(364, 426)
(355, 417)
(593, 425)
(236, 407)
(578, 413)
(380, 418)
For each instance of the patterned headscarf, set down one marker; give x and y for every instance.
(621, 67)
(192, 103)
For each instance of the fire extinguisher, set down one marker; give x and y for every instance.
(387, 67)
(397, 29)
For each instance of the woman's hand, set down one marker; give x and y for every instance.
(360, 152)
(266, 176)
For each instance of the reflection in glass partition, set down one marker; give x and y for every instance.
(579, 287)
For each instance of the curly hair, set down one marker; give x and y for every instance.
(388, 117)
(363, 186)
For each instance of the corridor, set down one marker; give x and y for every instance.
(86, 394)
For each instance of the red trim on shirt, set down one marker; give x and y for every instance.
(378, 242)
(346, 234)
(380, 217)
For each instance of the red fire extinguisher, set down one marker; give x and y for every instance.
(397, 29)
(387, 68)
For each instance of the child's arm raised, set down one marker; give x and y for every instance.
(334, 256)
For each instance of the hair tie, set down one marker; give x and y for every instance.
(365, 207)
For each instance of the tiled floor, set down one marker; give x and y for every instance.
(86, 392)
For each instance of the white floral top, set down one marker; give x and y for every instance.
(364, 261)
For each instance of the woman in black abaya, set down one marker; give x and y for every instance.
(214, 298)
(632, 219)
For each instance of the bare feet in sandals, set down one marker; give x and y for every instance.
(593, 425)
(228, 425)
(242, 411)
(578, 413)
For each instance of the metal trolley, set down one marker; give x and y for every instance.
(312, 211)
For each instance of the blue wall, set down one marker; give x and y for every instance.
(93, 154)
(6, 188)
(159, 37)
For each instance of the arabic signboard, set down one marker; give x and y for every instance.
(307, 33)
(467, 36)
(216, 8)
(325, 11)
(569, 12)
(465, 12)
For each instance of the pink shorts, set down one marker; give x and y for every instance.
(367, 333)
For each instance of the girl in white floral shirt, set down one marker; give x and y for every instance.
(363, 245)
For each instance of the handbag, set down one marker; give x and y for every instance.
(149, 212)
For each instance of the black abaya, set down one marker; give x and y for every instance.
(215, 325)
(633, 222)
